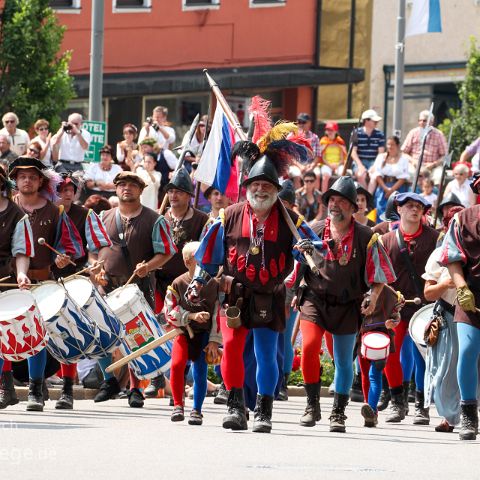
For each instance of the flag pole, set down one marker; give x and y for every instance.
(243, 136)
(399, 71)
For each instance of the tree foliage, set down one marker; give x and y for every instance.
(466, 120)
(34, 78)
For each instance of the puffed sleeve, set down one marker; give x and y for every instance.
(378, 268)
(174, 313)
(95, 233)
(211, 252)
(68, 239)
(22, 239)
(162, 239)
(452, 247)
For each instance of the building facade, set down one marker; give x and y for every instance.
(434, 62)
(155, 51)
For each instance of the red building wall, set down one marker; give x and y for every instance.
(167, 38)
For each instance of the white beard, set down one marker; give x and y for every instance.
(261, 204)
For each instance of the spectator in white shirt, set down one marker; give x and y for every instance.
(99, 176)
(43, 138)
(158, 127)
(19, 139)
(146, 171)
(70, 144)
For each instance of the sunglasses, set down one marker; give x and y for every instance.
(40, 129)
(9, 121)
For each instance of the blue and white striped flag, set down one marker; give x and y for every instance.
(425, 18)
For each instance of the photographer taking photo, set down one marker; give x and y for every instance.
(157, 127)
(70, 144)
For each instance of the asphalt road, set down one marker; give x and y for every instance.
(111, 441)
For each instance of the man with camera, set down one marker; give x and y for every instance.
(70, 144)
(157, 127)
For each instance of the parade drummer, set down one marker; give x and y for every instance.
(16, 241)
(354, 262)
(409, 247)
(141, 243)
(93, 237)
(461, 256)
(383, 320)
(37, 187)
(253, 242)
(203, 319)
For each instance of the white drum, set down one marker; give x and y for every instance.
(417, 325)
(141, 328)
(72, 334)
(22, 332)
(111, 330)
(375, 346)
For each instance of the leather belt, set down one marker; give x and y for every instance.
(71, 162)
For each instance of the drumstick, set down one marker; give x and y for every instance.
(145, 349)
(41, 241)
(8, 284)
(129, 281)
(95, 265)
(4, 278)
(416, 301)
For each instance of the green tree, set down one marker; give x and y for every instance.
(466, 120)
(34, 78)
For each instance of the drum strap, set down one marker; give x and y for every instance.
(144, 283)
(408, 263)
(123, 243)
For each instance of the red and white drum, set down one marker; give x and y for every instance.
(375, 346)
(22, 332)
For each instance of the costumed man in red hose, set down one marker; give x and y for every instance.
(254, 244)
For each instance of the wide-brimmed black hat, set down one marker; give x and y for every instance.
(345, 187)
(23, 163)
(181, 181)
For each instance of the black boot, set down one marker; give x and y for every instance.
(422, 417)
(406, 386)
(222, 395)
(469, 425)
(262, 419)
(312, 412)
(35, 401)
(385, 396)
(65, 402)
(108, 389)
(8, 396)
(337, 417)
(135, 398)
(356, 393)
(397, 408)
(283, 393)
(235, 418)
